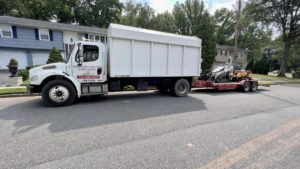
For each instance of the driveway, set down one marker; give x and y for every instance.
(207, 129)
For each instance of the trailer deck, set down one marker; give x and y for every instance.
(205, 84)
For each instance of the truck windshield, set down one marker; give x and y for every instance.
(68, 56)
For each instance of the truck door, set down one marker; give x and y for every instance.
(90, 69)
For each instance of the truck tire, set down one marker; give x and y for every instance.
(254, 86)
(246, 87)
(181, 88)
(58, 93)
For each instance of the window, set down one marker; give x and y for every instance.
(240, 56)
(44, 34)
(90, 53)
(6, 31)
(96, 38)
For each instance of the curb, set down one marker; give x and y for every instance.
(18, 95)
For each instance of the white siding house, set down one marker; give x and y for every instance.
(30, 41)
(225, 57)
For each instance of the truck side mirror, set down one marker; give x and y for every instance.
(81, 59)
(80, 54)
(80, 50)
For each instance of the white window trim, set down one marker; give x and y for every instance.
(94, 35)
(11, 31)
(46, 30)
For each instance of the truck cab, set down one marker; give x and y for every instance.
(83, 73)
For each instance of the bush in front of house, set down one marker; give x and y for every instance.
(25, 73)
(54, 56)
(13, 62)
(13, 67)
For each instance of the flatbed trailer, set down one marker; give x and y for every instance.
(244, 85)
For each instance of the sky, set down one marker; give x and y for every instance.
(163, 5)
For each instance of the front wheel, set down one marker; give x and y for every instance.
(181, 88)
(58, 93)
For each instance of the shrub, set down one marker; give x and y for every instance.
(13, 62)
(54, 56)
(298, 69)
(24, 74)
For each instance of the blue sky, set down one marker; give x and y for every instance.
(163, 5)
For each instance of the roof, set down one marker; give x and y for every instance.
(128, 32)
(52, 25)
(230, 48)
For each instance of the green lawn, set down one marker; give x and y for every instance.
(25, 83)
(274, 78)
(12, 90)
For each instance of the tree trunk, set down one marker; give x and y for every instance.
(284, 61)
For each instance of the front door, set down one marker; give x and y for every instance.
(91, 69)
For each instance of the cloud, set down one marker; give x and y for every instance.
(167, 5)
(213, 5)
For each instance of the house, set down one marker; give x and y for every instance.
(30, 41)
(225, 57)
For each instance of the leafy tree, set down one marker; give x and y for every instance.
(137, 14)
(164, 22)
(285, 15)
(33, 9)
(192, 19)
(254, 36)
(99, 13)
(182, 24)
(224, 19)
(54, 56)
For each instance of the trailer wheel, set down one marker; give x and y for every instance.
(254, 86)
(58, 93)
(246, 87)
(181, 88)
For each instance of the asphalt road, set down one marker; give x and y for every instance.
(131, 130)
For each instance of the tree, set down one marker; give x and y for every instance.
(32, 9)
(285, 15)
(99, 13)
(139, 15)
(224, 19)
(182, 24)
(192, 19)
(164, 22)
(54, 56)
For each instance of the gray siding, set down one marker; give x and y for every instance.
(26, 40)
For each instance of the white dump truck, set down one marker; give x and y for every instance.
(132, 57)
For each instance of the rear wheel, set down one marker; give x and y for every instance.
(181, 88)
(58, 93)
(254, 86)
(246, 87)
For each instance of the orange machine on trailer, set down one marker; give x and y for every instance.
(225, 78)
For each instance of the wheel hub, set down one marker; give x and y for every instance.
(182, 88)
(59, 94)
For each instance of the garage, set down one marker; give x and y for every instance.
(19, 55)
(40, 57)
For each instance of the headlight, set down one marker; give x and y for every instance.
(34, 78)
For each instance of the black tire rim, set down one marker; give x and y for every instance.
(182, 88)
(246, 87)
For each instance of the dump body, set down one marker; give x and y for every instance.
(135, 52)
